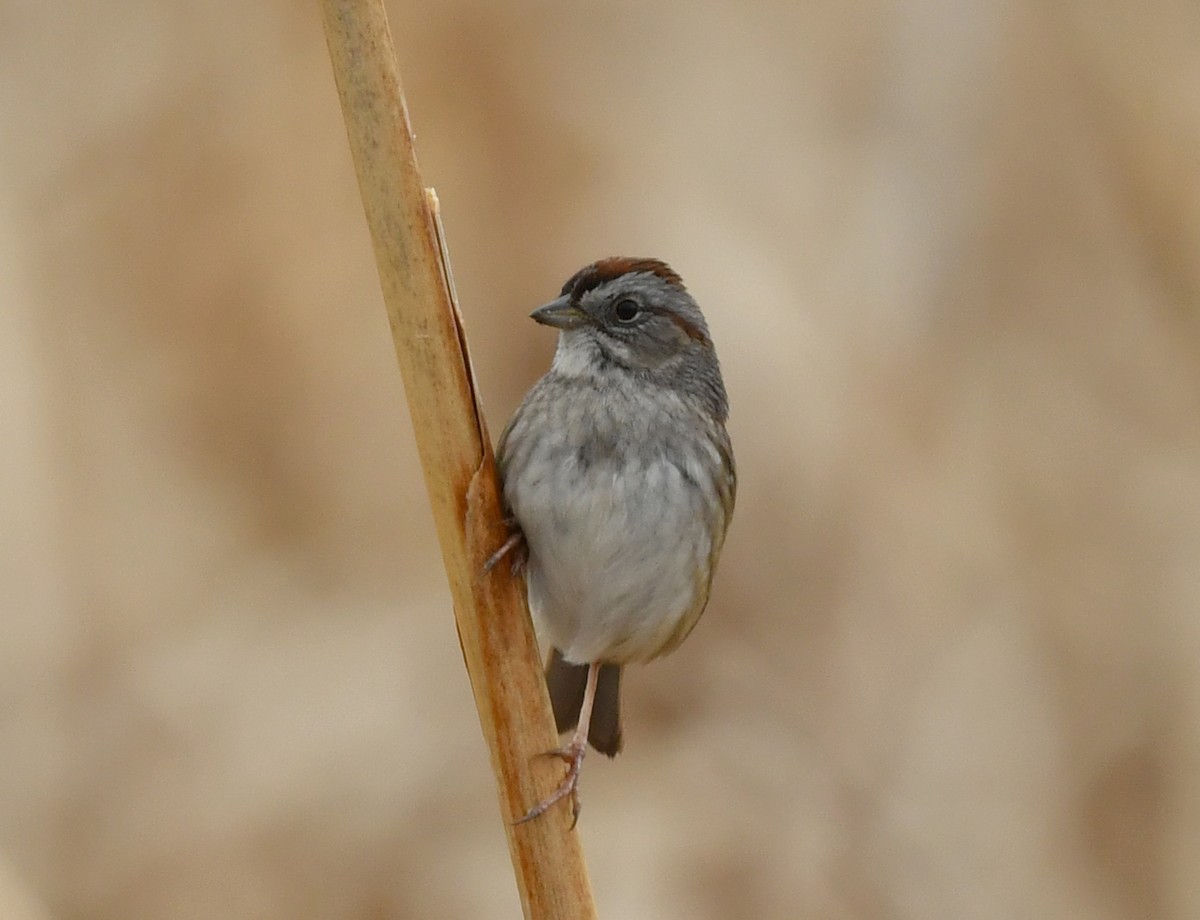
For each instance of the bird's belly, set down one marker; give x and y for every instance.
(616, 558)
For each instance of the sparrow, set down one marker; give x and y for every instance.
(619, 480)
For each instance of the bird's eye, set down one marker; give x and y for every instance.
(626, 311)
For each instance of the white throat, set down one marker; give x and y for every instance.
(575, 356)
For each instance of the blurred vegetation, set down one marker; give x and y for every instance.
(947, 254)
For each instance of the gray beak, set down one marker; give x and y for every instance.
(560, 313)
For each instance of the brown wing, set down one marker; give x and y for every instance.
(717, 520)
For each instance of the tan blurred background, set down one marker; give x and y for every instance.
(949, 254)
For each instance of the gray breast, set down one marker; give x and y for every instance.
(613, 510)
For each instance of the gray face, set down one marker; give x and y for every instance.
(642, 323)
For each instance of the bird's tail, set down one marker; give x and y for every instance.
(567, 682)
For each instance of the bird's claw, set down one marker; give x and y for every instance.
(572, 755)
(514, 544)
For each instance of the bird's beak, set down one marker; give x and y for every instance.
(560, 313)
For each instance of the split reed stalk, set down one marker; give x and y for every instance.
(493, 624)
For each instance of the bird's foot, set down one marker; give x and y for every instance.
(572, 755)
(516, 545)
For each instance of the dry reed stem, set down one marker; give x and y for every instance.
(493, 625)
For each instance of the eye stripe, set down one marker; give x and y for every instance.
(694, 332)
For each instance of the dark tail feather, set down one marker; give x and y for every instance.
(567, 682)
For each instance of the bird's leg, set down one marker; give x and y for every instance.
(514, 544)
(572, 754)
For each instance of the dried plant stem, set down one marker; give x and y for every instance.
(493, 626)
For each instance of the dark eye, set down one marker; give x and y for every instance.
(626, 311)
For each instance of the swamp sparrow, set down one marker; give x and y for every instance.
(619, 474)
